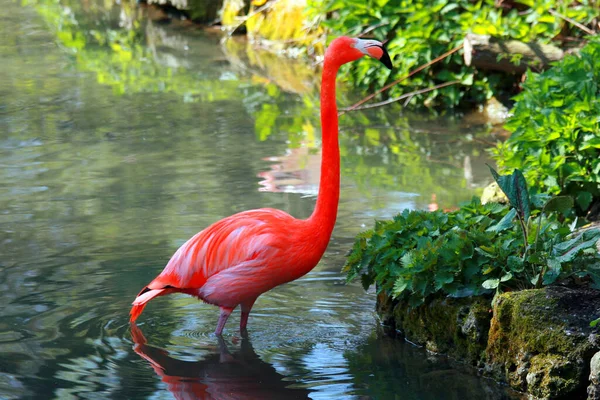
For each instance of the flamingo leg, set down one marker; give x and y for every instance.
(246, 307)
(225, 312)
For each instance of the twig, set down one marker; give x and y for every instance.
(372, 28)
(252, 14)
(577, 24)
(386, 87)
(404, 96)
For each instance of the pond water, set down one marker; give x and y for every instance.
(122, 135)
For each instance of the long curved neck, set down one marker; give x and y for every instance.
(325, 213)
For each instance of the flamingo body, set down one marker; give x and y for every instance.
(238, 258)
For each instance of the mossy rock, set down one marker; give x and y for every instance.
(457, 327)
(540, 340)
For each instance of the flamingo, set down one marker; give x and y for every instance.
(236, 259)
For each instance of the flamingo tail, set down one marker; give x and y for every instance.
(140, 302)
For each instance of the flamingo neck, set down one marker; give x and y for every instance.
(325, 213)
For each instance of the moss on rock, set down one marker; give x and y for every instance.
(539, 341)
(457, 327)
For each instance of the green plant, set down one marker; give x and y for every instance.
(418, 31)
(476, 249)
(556, 130)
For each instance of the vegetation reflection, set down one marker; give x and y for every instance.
(383, 148)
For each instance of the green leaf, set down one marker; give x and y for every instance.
(366, 281)
(408, 259)
(573, 251)
(553, 272)
(514, 187)
(594, 323)
(491, 283)
(584, 199)
(539, 200)
(505, 223)
(592, 143)
(560, 204)
(442, 278)
(399, 286)
(515, 264)
(568, 243)
(506, 277)
(485, 253)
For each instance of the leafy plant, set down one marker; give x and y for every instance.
(555, 129)
(476, 249)
(418, 31)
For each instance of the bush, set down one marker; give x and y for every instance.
(475, 250)
(418, 31)
(555, 129)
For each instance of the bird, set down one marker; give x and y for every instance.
(235, 260)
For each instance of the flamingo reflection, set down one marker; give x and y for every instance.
(222, 375)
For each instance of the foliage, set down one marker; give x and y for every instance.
(556, 130)
(418, 31)
(476, 249)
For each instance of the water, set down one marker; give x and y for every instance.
(121, 137)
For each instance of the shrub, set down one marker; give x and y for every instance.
(555, 129)
(475, 250)
(418, 31)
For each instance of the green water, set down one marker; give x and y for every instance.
(122, 137)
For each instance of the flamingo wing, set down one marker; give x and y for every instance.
(228, 262)
(242, 239)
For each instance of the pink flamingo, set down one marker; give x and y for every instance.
(238, 258)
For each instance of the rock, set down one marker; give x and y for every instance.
(457, 327)
(594, 388)
(203, 11)
(493, 194)
(539, 340)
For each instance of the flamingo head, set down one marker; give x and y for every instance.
(345, 49)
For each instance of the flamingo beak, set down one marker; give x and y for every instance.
(374, 49)
(385, 58)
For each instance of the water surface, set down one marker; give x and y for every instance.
(121, 137)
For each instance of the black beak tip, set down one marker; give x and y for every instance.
(385, 59)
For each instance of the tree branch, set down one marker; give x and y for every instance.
(386, 87)
(404, 96)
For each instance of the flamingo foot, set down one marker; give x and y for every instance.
(225, 312)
